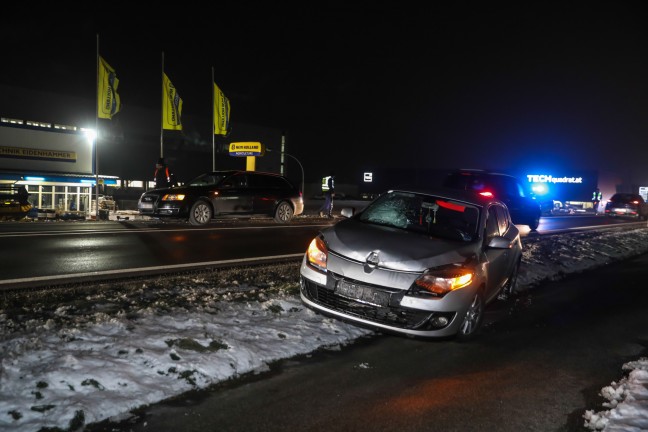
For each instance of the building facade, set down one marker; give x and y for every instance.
(54, 162)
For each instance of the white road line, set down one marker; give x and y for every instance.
(147, 269)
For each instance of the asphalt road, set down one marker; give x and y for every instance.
(538, 366)
(38, 254)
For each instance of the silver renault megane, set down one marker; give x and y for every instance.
(418, 263)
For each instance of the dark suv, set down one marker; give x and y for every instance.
(524, 209)
(628, 205)
(225, 193)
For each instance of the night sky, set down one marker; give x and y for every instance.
(366, 85)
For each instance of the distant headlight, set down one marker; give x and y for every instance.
(173, 197)
(441, 283)
(317, 254)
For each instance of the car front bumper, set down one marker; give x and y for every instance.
(401, 314)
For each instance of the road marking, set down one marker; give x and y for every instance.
(143, 270)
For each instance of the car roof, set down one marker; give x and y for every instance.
(626, 195)
(468, 196)
(474, 171)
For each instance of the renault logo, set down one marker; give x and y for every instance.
(373, 258)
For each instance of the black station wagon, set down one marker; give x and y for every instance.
(225, 193)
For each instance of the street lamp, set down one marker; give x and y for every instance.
(302, 171)
(91, 136)
(300, 166)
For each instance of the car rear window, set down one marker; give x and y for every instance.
(498, 185)
(206, 180)
(626, 197)
(269, 182)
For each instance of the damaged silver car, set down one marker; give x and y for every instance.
(417, 263)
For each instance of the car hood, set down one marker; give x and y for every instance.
(174, 190)
(397, 249)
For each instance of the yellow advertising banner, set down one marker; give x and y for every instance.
(221, 112)
(107, 96)
(171, 106)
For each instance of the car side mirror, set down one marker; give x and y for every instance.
(347, 212)
(499, 242)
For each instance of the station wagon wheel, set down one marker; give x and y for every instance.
(200, 214)
(473, 318)
(283, 213)
(510, 287)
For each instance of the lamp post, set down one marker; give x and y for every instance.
(300, 166)
(93, 138)
(302, 171)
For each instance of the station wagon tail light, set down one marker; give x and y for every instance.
(441, 283)
(317, 253)
(173, 197)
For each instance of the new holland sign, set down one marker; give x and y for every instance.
(246, 149)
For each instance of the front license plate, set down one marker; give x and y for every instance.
(146, 206)
(362, 293)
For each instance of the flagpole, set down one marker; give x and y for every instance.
(162, 116)
(213, 129)
(96, 139)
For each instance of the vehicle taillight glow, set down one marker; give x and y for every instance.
(487, 194)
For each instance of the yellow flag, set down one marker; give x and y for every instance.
(171, 106)
(221, 112)
(108, 100)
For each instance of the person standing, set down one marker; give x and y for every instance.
(162, 175)
(328, 187)
(597, 196)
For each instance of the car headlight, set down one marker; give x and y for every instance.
(439, 283)
(317, 254)
(173, 197)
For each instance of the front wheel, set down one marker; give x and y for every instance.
(200, 213)
(534, 223)
(510, 288)
(283, 213)
(473, 319)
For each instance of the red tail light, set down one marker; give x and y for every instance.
(487, 194)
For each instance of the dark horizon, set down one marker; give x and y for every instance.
(546, 86)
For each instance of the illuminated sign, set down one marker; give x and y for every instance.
(643, 191)
(533, 178)
(368, 177)
(40, 154)
(246, 149)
